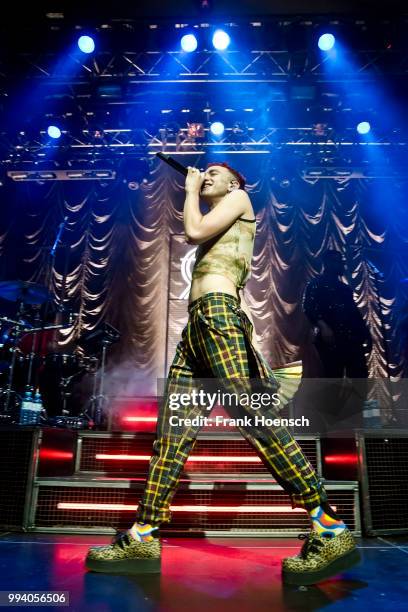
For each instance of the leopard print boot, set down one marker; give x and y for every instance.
(320, 558)
(125, 556)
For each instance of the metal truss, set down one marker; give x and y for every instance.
(261, 66)
(311, 174)
(274, 91)
(106, 148)
(240, 137)
(109, 92)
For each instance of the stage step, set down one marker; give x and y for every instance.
(225, 488)
(129, 453)
(81, 504)
(43, 467)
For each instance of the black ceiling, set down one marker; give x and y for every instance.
(194, 8)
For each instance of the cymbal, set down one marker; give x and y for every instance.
(34, 330)
(23, 323)
(22, 291)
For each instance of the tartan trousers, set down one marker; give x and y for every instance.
(216, 343)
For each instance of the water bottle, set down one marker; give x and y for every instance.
(27, 408)
(37, 408)
(372, 415)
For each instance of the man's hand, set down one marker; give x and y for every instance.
(194, 180)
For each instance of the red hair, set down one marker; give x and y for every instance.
(240, 178)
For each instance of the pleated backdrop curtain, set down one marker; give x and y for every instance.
(118, 245)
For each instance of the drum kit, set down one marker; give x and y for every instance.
(31, 359)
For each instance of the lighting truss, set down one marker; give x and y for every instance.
(120, 87)
(84, 174)
(249, 65)
(178, 141)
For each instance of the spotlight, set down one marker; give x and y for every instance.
(363, 127)
(195, 130)
(284, 183)
(98, 135)
(188, 43)
(86, 44)
(220, 40)
(326, 42)
(217, 128)
(133, 185)
(53, 131)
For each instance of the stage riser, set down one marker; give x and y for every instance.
(36, 463)
(47, 515)
(89, 447)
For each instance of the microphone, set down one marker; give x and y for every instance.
(61, 228)
(173, 163)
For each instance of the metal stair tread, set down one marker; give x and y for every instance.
(209, 482)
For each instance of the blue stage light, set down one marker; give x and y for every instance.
(86, 44)
(53, 131)
(217, 128)
(220, 40)
(188, 43)
(326, 42)
(363, 127)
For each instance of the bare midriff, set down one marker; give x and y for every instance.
(212, 283)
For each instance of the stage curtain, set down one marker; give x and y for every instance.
(117, 257)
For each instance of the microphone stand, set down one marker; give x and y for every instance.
(52, 258)
(52, 255)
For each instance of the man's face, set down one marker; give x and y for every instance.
(218, 181)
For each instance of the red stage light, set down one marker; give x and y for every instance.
(193, 458)
(135, 419)
(227, 509)
(349, 459)
(137, 414)
(51, 455)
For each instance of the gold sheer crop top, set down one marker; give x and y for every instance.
(228, 254)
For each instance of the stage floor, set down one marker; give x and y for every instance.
(211, 575)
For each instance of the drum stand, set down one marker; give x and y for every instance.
(97, 342)
(98, 398)
(64, 386)
(31, 356)
(19, 327)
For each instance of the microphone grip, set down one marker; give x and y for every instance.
(173, 163)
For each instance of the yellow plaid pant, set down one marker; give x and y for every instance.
(216, 343)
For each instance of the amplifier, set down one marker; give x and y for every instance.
(383, 474)
(18, 453)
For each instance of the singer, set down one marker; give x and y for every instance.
(219, 342)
